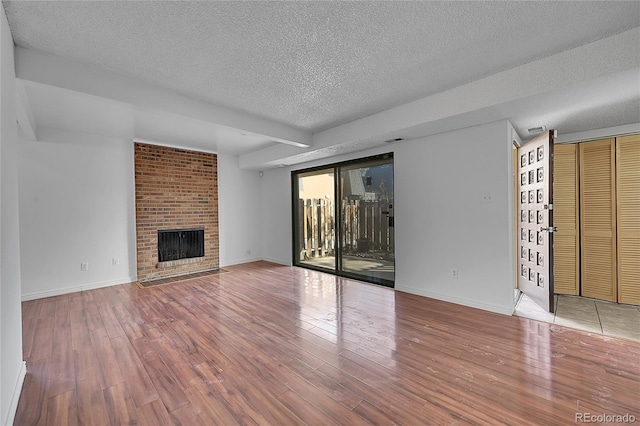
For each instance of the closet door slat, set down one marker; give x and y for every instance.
(566, 242)
(628, 209)
(598, 219)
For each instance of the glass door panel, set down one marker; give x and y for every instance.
(366, 247)
(314, 208)
(353, 237)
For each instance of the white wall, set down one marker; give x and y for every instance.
(442, 221)
(12, 367)
(454, 209)
(276, 216)
(276, 203)
(239, 212)
(76, 205)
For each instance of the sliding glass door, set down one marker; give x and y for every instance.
(355, 236)
(366, 215)
(314, 212)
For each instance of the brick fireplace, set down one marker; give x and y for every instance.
(176, 189)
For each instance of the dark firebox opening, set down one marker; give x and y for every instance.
(175, 244)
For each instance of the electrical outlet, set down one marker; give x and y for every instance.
(115, 261)
(454, 273)
(247, 252)
(84, 266)
(486, 199)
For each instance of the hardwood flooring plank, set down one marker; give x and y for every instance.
(62, 374)
(383, 389)
(109, 318)
(161, 376)
(193, 341)
(111, 372)
(62, 409)
(335, 390)
(80, 334)
(43, 338)
(154, 413)
(30, 313)
(32, 406)
(238, 353)
(279, 348)
(85, 362)
(373, 415)
(31, 308)
(265, 403)
(92, 407)
(186, 416)
(130, 320)
(91, 313)
(175, 354)
(276, 345)
(210, 408)
(120, 405)
(338, 412)
(139, 383)
(305, 411)
(223, 385)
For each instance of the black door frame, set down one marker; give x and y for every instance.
(337, 214)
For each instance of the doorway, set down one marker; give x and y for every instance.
(597, 207)
(596, 242)
(535, 220)
(353, 237)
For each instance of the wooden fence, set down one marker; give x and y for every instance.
(365, 227)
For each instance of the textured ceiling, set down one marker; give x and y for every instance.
(312, 65)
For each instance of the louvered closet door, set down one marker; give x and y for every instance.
(628, 208)
(598, 219)
(566, 242)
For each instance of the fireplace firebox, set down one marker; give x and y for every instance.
(176, 244)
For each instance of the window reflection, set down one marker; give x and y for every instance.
(347, 315)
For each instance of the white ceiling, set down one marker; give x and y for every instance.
(64, 109)
(313, 66)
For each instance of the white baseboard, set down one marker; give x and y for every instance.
(15, 395)
(278, 261)
(256, 259)
(66, 290)
(239, 261)
(458, 300)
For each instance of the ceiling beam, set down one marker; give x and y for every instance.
(489, 99)
(24, 114)
(590, 135)
(44, 68)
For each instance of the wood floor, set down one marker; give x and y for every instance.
(269, 344)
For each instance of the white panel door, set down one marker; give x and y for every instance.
(535, 220)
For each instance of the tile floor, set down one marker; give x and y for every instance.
(595, 316)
